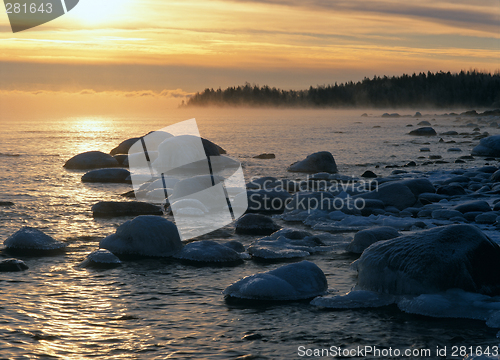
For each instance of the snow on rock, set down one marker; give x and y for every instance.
(145, 235)
(303, 280)
(365, 238)
(352, 222)
(434, 260)
(207, 251)
(322, 161)
(28, 239)
(189, 207)
(100, 259)
(455, 303)
(354, 299)
(11, 265)
(489, 146)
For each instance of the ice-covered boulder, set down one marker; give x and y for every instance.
(364, 238)
(30, 240)
(145, 235)
(256, 224)
(489, 146)
(322, 161)
(207, 251)
(434, 260)
(11, 265)
(101, 259)
(124, 208)
(303, 280)
(107, 176)
(91, 160)
(392, 194)
(474, 205)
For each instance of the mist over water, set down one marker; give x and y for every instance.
(162, 308)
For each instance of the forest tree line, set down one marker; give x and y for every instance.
(441, 90)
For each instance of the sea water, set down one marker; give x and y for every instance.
(160, 308)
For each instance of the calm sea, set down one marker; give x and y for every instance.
(164, 309)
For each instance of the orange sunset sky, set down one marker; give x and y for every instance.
(165, 50)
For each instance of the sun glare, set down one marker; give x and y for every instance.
(98, 12)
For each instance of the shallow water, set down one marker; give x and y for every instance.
(166, 309)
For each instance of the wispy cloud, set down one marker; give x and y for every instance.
(175, 94)
(481, 14)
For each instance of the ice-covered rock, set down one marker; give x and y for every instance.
(189, 207)
(474, 205)
(30, 240)
(365, 238)
(489, 146)
(354, 300)
(322, 161)
(303, 280)
(454, 303)
(91, 160)
(101, 259)
(11, 265)
(392, 194)
(107, 176)
(124, 208)
(256, 224)
(145, 235)
(434, 260)
(207, 251)
(286, 244)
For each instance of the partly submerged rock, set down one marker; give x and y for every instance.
(434, 260)
(145, 235)
(256, 224)
(124, 146)
(107, 176)
(11, 265)
(265, 156)
(32, 241)
(489, 146)
(364, 238)
(423, 131)
(124, 208)
(91, 160)
(322, 161)
(303, 280)
(101, 259)
(354, 300)
(207, 251)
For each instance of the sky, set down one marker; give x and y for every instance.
(158, 52)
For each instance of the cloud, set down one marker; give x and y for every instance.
(481, 15)
(173, 94)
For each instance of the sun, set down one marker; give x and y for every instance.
(98, 12)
